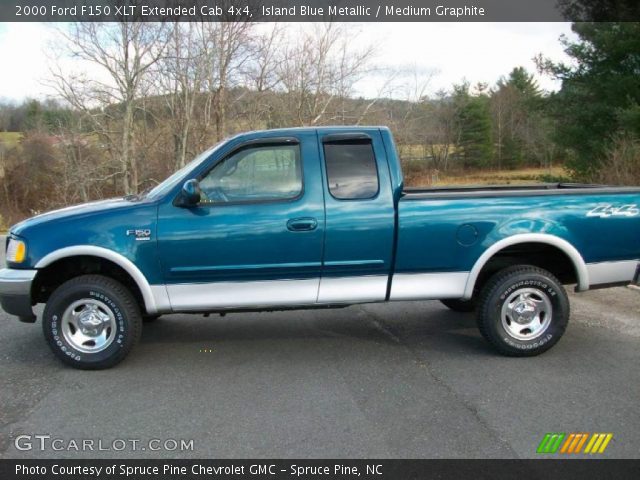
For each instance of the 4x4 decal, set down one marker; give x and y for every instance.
(608, 210)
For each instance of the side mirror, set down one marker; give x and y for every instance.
(190, 193)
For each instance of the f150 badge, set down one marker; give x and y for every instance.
(608, 210)
(141, 234)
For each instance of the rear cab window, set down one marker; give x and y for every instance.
(351, 168)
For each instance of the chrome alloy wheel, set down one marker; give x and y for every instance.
(526, 314)
(88, 325)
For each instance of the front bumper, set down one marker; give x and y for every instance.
(15, 293)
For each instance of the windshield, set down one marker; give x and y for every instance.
(173, 179)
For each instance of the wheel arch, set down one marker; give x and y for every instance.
(138, 278)
(560, 244)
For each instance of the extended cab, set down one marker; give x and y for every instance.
(316, 217)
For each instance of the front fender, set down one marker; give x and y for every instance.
(155, 298)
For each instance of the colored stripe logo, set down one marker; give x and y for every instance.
(574, 443)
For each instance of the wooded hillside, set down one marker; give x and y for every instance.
(166, 92)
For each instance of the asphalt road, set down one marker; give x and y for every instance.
(402, 380)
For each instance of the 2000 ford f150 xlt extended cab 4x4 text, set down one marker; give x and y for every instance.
(316, 217)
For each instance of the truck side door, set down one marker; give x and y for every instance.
(255, 238)
(360, 216)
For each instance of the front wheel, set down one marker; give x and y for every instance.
(523, 311)
(92, 322)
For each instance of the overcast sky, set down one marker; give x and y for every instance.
(447, 52)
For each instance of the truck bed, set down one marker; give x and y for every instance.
(484, 191)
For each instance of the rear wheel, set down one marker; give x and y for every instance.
(91, 322)
(458, 305)
(523, 311)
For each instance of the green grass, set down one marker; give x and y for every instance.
(10, 139)
(487, 177)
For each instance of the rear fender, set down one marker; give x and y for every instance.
(576, 259)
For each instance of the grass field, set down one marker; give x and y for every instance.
(486, 177)
(10, 139)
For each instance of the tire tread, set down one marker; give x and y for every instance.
(128, 303)
(487, 293)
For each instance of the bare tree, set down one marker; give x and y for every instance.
(119, 57)
(3, 154)
(261, 71)
(442, 131)
(181, 77)
(81, 170)
(319, 68)
(227, 48)
(260, 75)
(5, 116)
(411, 86)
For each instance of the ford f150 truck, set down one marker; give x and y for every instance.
(316, 217)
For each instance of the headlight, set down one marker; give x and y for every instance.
(16, 251)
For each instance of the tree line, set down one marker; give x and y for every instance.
(158, 94)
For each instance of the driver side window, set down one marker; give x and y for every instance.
(262, 173)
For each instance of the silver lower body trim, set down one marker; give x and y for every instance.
(328, 290)
(161, 299)
(428, 286)
(205, 296)
(269, 293)
(611, 272)
(353, 289)
(348, 290)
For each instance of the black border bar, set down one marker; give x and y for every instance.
(258, 469)
(320, 10)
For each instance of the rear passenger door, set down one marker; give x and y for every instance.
(360, 216)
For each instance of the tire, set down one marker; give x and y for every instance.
(457, 305)
(523, 311)
(150, 318)
(92, 322)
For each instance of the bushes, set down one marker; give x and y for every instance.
(621, 165)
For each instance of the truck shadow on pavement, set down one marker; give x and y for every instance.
(441, 330)
(346, 332)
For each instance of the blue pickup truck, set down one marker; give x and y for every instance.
(316, 218)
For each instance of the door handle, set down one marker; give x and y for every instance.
(302, 224)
